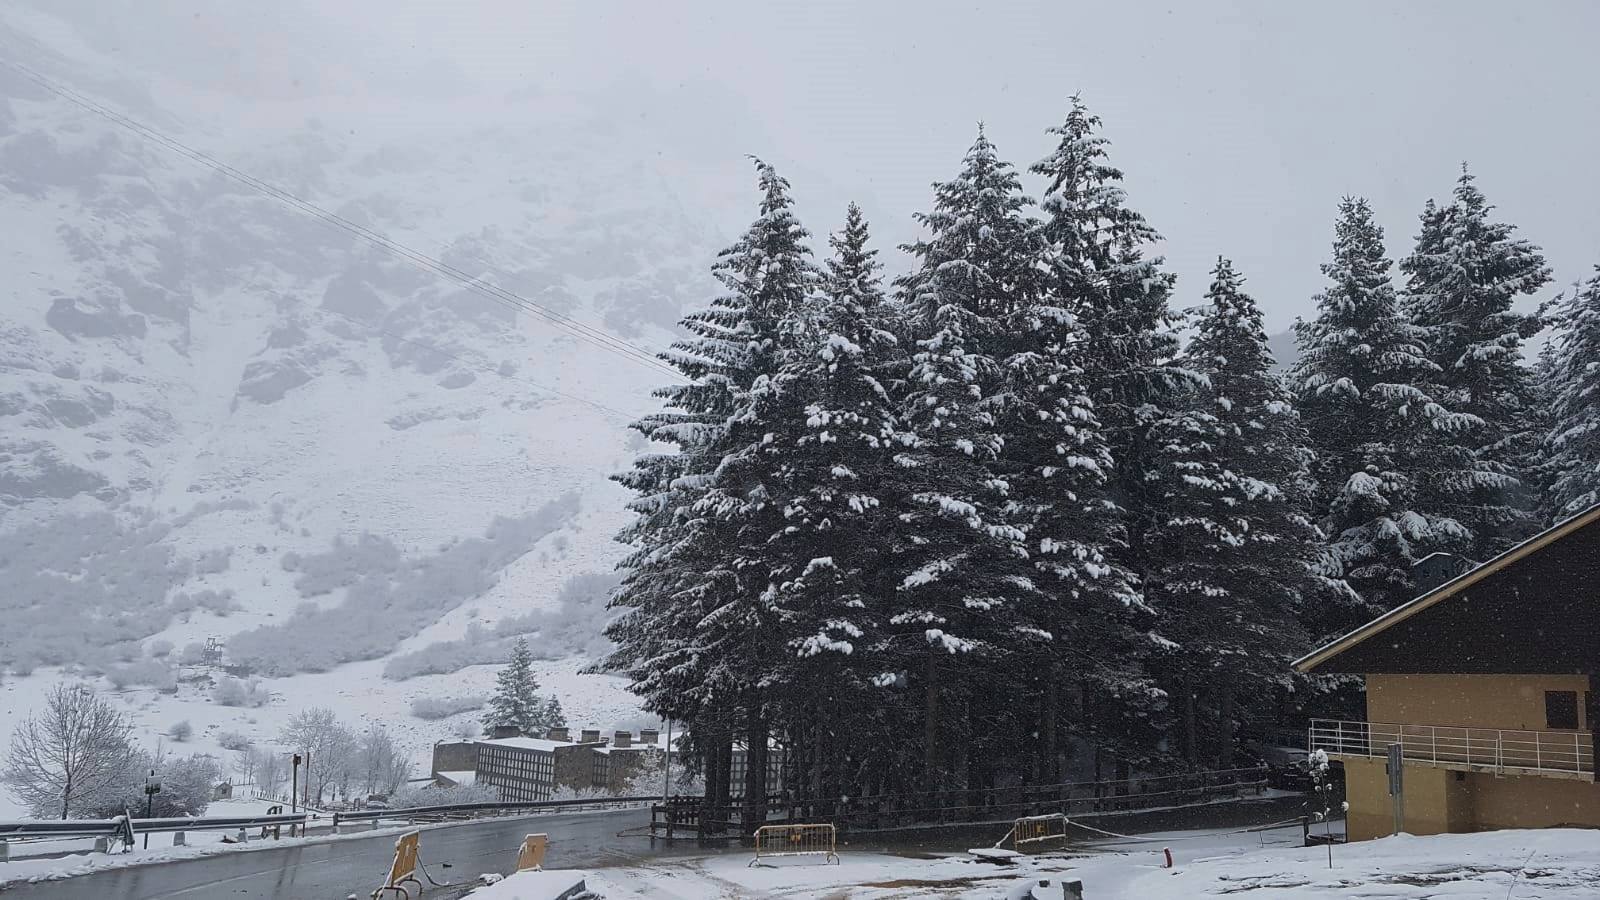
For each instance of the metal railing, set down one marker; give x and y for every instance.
(491, 808)
(119, 827)
(1454, 746)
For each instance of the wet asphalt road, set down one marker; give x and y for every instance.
(335, 870)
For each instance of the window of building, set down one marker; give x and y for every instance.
(1561, 709)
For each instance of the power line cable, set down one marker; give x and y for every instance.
(421, 260)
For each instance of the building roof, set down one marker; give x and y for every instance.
(460, 776)
(526, 743)
(1452, 588)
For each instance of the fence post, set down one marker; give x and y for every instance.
(5, 851)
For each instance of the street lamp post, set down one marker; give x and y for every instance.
(152, 787)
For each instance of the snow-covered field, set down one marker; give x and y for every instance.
(1555, 864)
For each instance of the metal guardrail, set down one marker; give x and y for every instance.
(471, 810)
(94, 828)
(1565, 753)
(62, 828)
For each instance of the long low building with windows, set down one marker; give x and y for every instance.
(1482, 702)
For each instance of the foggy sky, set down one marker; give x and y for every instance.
(1240, 125)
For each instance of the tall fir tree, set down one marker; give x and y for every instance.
(962, 603)
(1362, 389)
(1239, 548)
(515, 702)
(692, 631)
(830, 433)
(1464, 277)
(1573, 442)
(1099, 270)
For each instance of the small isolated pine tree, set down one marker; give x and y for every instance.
(1573, 444)
(516, 700)
(1465, 275)
(1362, 389)
(554, 715)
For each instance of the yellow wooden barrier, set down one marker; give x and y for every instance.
(531, 856)
(796, 840)
(1035, 830)
(404, 869)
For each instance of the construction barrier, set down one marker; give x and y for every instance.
(404, 869)
(531, 855)
(1035, 831)
(796, 840)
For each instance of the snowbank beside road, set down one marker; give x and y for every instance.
(1554, 864)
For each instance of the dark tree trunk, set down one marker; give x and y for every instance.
(755, 772)
(930, 736)
(1049, 772)
(1186, 735)
(1225, 714)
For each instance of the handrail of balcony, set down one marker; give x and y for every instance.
(1570, 752)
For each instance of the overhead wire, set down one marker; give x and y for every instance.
(477, 284)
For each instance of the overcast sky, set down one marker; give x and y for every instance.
(1240, 125)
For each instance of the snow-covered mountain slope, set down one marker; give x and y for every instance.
(220, 417)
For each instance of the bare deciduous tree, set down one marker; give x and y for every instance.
(69, 753)
(331, 746)
(383, 767)
(272, 770)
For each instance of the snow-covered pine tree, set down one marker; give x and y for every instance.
(1099, 271)
(690, 631)
(830, 435)
(1464, 277)
(1238, 545)
(962, 603)
(1573, 444)
(554, 715)
(516, 702)
(1361, 386)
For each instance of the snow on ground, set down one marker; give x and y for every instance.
(1553, 864)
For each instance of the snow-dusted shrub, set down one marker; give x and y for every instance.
(238, 692)
(387, 599)
(193, 654)
(181, 731)
(233, 740)
(432, 708)
(574, 626)
(411, 795)
(186, 787)
(152, 672)
(159, 649)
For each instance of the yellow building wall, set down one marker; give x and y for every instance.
(1443, 800)
(1479, 701)
(1531, 801)
(1436, 802)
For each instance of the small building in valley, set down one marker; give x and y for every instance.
(1483, 690)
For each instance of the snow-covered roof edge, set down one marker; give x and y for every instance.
(1447, 590)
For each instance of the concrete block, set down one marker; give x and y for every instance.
(102, 845)
(178, 839)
